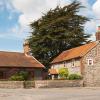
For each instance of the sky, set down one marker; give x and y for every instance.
(16, 15)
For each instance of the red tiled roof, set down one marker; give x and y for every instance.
(15, 59)
(74, 52)
(53, 71)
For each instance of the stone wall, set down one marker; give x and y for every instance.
(41, 84)
(58, 83)
(92, 72)
(11, 84)
(17, 84)
(73, 65)
(29, 84)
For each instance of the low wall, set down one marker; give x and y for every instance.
(17, 84)
(41, 84)
(58, 83)
(11, 84)
(29, 84)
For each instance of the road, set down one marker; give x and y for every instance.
(51, 94)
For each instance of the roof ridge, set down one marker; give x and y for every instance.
(12, 52)
(75, 52)
(18, 59)
(79, 46)
(91, 48)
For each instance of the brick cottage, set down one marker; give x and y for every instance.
(83, 60)
(12, 62)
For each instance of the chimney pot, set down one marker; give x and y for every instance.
(98, 28)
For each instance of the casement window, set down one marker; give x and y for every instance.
(73, 62)
(1, 74)
(52, 66)
(64, 64)
(90, 62)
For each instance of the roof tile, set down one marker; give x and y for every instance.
(74, 52)
(15, 59)
(53, 71)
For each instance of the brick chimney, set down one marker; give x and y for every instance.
(98, 34)
(26, 48)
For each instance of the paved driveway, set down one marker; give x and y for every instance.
(51, 94)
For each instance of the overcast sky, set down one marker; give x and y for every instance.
(16, 15)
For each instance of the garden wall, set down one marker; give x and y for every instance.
(58, 83)
(17, 84)
(11, 84)
(41, 84)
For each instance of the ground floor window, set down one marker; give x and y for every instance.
(1, 74)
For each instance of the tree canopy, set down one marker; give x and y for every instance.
(59, 29)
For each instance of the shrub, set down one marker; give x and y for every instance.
(63, 73)
(25, 74)
(74, 77)
(19, 76)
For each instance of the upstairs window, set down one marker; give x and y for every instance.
(90, 62)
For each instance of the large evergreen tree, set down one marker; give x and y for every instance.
(59, 29)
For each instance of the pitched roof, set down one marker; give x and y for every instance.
(15, 59)
(53, 71)
(74, 52)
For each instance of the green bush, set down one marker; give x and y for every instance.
(63, 73)
(74, 77)
(19, 76)
(25, 74)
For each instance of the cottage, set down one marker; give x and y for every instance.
(83, 60)
(12, 62)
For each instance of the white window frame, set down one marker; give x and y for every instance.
(73, 63)
(90, 59)
(52, 66)
(64, 64)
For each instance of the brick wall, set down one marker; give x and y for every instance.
(33, 72)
